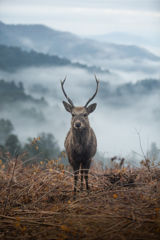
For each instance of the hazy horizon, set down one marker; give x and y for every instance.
(90, 19)
(116, 118)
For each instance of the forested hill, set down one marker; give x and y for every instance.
(12, 58)
(10, 93)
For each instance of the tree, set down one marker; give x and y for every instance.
(154, 152)
(12, 144)
(47, 146)
(6, 129)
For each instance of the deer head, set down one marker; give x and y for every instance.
(80, 119)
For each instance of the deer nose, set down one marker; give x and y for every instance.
(78, 124)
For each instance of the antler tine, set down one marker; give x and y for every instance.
(65, 93)
(97, 81)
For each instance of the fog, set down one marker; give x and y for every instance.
(127, 69)
(115, 121)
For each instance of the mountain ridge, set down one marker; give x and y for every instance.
(43, 39)
(12, 58)
(123, 38)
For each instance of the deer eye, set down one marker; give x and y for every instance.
(85, 115)
(73, 115)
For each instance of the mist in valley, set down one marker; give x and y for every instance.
(40, 53)
(122, 110)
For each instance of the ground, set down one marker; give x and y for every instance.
(37, 201)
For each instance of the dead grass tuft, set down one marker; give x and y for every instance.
(36, 201)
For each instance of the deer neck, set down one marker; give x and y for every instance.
(80, 137)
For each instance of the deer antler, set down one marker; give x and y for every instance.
(65, 93)
(97, 81)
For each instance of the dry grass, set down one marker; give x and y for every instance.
(36, 202)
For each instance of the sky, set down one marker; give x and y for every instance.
(86, 18)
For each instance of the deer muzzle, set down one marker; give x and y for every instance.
(78, 125)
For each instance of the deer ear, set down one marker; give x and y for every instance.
(91, 108)
(67, 106)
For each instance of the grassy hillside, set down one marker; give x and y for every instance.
(37, 201)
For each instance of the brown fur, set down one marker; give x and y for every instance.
(80, 142)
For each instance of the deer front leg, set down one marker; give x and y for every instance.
(75, 180)
(86, 179)
(81, 179)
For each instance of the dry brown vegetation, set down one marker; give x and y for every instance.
(36, 201)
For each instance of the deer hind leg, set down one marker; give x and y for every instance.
(81, 178)
(75, 180)
(86, 170)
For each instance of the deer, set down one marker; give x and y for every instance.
(80, 142)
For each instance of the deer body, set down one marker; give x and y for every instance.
(80, 142)
(80, 146)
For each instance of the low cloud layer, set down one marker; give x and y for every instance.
(114, 124)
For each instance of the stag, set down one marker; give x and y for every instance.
(80, 142)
